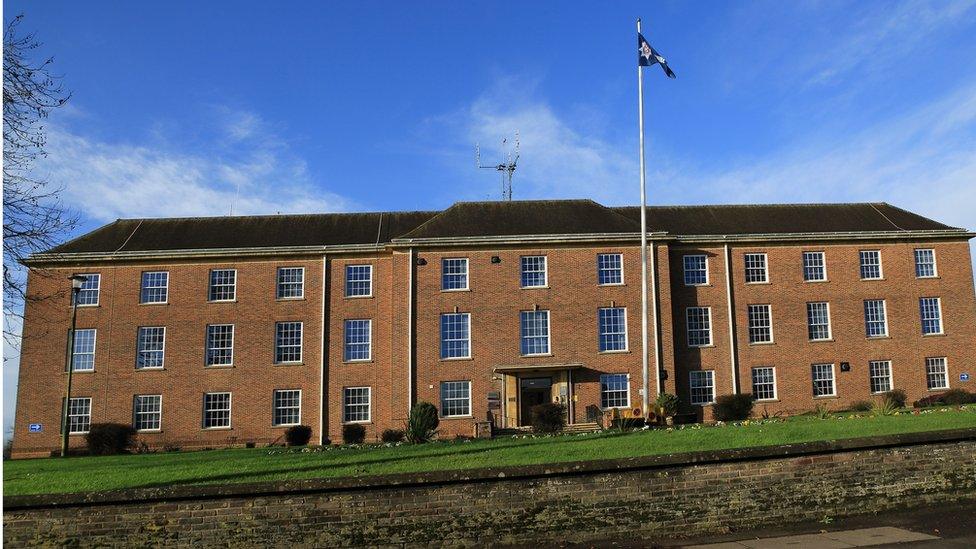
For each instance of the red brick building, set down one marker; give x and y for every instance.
(207, 332)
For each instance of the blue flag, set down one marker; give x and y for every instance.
(647, 56)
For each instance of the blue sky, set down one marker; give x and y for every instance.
(378, 106)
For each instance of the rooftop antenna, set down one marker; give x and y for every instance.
(507, 169)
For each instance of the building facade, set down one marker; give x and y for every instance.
(209, 332)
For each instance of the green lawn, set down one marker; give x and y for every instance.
(39, 476)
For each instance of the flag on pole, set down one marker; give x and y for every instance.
(647, 56)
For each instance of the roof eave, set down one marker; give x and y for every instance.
(840, 235)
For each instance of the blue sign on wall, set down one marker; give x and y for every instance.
(35, 427)
(964, 376)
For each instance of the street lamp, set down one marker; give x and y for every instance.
(76, 282)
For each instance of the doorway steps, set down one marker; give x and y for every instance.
(569, 429)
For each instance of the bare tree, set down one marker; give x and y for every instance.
(34, 218)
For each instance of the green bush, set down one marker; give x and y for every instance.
(110, 438)
(958, 396)
(667, 403)
(732, 407)
(353, 433)
(822, 411)
(897, 397)
(548, 417)
(862, 406)
(423, 422)
(888, 406)
(392, 435)
(299, 435)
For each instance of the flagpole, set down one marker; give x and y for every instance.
(643, 193)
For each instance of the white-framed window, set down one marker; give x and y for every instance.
(612, 326)
(702, 387)
(535, 332)
(359, 280)
(358, 340)
(151, 347)
(871, 265)
(83, 354)
(147, 412)
(875, 318)
(823, 380)
(79, 414)
(764, 383)
(220, 345)
(818, 321)
(455, 398)
(699, 323)
(155, 287)
(534, 271)
(760, 323)
(290, 283)
(609, 269)
(756, 268)
(936, 373)
(223, 285)
(925, 263)
(287, 407)
(696, 270)
(87, 296)
(614, 391)
(288, 342)
(930, 309)
(814, 266)
(455, 335)
(356, 404)
(879, 372)
(454, 273)
(216, 410)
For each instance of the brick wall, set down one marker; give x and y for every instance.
(654, 497)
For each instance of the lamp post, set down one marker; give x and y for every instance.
(76, 283)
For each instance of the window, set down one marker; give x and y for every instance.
(534, 271)
(818, 321)
(925, 264)
(220, 345)
(358, 340)
(454, 273)
(702, 387)
(79, 415)
(615, 391)
(875, 320)
(756, 268)
(155, 287)
(699, 321)
(609, 269)
(216, 410)
(880, 373)
(88, 295)
(291, 283)
(83, 356)
(359, 280)
(455, 398)
(823, 380)
(147, 412)
(696, 270)
(355, 404)
(456, 335)
(870, 264)
(936, 373)
(764, 383)
(760, 324)
(931, 312)
(287, 407)
(535, 332)
(151, 347)
(814, 266)
(223, 285)
(288, 342)
(613, 329)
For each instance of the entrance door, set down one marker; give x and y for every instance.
(534, 391)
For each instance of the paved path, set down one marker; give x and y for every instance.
(861, 537)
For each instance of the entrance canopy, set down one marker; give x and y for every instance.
(535, 368)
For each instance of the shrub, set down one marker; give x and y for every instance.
(958, 396)
(392, 435)
(822, 411)
(110, 438)
(888, 406)
(897, 397)
(353, 433)
(299, 435)
(667, 403)
(862, 406)
(732, 407)
(423, 422)
(549, 417)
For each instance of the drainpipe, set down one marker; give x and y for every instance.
(733, 353)
(410, 364)
(323, 391)
(655, 323)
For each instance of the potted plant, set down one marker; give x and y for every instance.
(667, 407)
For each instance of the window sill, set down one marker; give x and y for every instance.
(938, 390)
(705, 285)
(360, 361)
(155, 369)
(151, 303)
(290, 298)
(370, 296)
(285, 425)
(612, 284)
(758, 283)
(149, 431)
(546, 287)
(928, 277)
(870, 338)
(710, 345)
(454, 290)
(873, 279)
(542, 355)
(761, 343)
(216, 428)
(620, 352)
(831, 340)
(302, 363)
(92, 371)
(218, 366)
(222, 300)
(940, 334)
(448, 418)
(704, 405)
(456, 359)
(79, 433)
(815, 281)
(826, 397)
(766, 400)
(94, 306)
(368, 422)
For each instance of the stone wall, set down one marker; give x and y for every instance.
(654, 497)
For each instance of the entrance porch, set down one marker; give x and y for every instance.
(525, 386)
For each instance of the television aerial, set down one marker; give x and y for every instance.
(506, 169)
